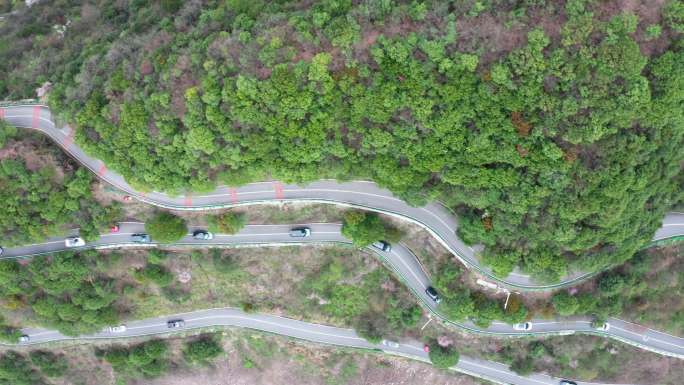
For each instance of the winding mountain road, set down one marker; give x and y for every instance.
(489, 370)
(400, 259)
(434, 217)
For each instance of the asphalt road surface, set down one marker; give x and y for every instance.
(434, 217)
(492, 371)
(400, 259)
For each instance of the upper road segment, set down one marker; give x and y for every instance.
(434, 217)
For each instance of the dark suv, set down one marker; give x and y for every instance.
(140, 238)
(432, 293)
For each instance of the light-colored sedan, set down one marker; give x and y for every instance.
(74, 242)
(524, 326)
(603, 327)
(390, 344)
(116, 329)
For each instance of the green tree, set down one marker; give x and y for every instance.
(203, 350)
(364, 228)
(50, 364)
(565, 304)
(227, 223)
(443, 357)
(15, 369)
(155, 273)
(166, 228)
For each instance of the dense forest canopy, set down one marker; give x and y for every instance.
(43, 200)
(554, 129)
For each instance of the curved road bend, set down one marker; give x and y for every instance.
(401, 260)
(492, 371)
(435, 218)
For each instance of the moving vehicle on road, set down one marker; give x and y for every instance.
(115, 329)
(1, 250)
(567, 382)
(114, 229)
(176, 323)
(202, 235)
(140, 238)
(382, 246)
(24, 338)
(432, 293)
(74, 242)
(300, 232)
(390, 344)
(603, 326)
(523, 326)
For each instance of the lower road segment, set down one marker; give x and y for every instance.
(400, 259)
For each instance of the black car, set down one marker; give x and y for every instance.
(176, 323)
(382, 246)
(432, 293)
(140, 238)
(300, 232)
(202, 235)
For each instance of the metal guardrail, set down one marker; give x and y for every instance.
(24, 102)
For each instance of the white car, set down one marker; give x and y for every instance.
(603, 327)
(391, 344)
(24, 338)
(523, 326)
(116, 329)
(74, 242)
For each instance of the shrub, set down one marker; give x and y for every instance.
(50, 364)
(155, 273)
(443, 357)
(165, 227)
(673, 13)
(565, 304)
(364, 228)
(203, 350)
(227, 223)
(144, 360)
(16, 370)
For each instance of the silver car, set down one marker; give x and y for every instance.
(382, 246)
(74, 242)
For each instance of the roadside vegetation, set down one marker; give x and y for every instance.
(65, 291)
(146, 360)
(165, 227)
(364, 228)
(647, 290)
(79, 293)
(247, 357)
(229, 222)
(591, 359)
(443, 357)
(46, 197)
(558, 142)
(460, 303)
